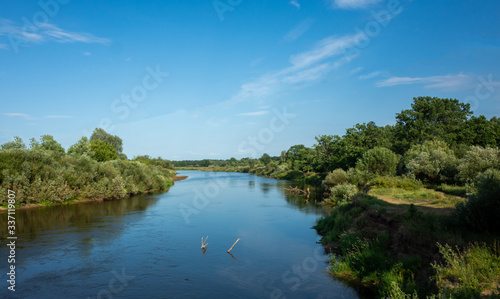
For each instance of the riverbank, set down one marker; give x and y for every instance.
(394, 247)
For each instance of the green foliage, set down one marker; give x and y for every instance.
(81, 148)
(342, 192)
(478, 159)
(433, 161)
(482, 210)
(379, 160)
(265, 159)
(115, 141)
(468, 273)
(16, 144)
(430, 118)
(47, 143)
(103, 151)
(336, 177)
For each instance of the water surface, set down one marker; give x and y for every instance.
(149, 246)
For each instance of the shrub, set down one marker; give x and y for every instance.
(468, 273)
(334, 178)
(343, 192)
(433, 161)
(379, 160)
(482, 209)
(477, 160)
(405, 183)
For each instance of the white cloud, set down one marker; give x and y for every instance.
(87, 53)
(356, 70)
(256, 113)
(295, 3)
(353, 4)
(304, 67)
(23, 115)
(58, 116)
(458, 81)
(369, 76)
(298, 30)
(47, 32)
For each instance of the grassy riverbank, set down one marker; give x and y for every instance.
(410, 246)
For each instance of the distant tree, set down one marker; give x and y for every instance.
(16, 144)
(265, 159)
(379, 160)
(327, 152)
(430, 118)
(477, 160)
(478, 131)
(103, 151)
(81, 148)
(47, 143)
(115, 141)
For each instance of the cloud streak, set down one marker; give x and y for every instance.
(353, 4)
(45, 33)
(298, 30)
(305, 67)
(458, 81)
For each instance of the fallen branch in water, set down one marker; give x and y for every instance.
(233, 245)
(204, 243)
(298, 191)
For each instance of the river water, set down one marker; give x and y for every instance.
(149, 246)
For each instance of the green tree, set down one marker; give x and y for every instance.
(16, 144)
(478, 131)
(81, 148)
(115, 141)
(47, 143)
(265, 159)
(103, 151)
(433, 161)
(476, 160)
(430, 118)
(379, 160)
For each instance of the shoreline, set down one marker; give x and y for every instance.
(78, 201)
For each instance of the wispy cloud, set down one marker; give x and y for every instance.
(58, 116)
(22, 115)
(256, 113)
(305, 67)
(356, 70)
(370, 75)
(47, 32)
(353, 4)
(458, 81)
(298, 30)
(87, 53)
(295, 3)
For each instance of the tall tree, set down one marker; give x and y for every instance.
(115, 141)
(430, 118)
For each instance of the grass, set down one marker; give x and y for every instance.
(421, 197)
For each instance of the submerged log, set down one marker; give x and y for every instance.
(204, 243)
(298, 191)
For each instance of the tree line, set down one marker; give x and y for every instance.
(96, 168)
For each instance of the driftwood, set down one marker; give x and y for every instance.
(298, 191)
(233, 245)
(204, 243)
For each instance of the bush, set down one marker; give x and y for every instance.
(477, 160)
(468, 273)
(342, 192)
(482, 209)
(334, 178)
(379, 160)
(433, 162)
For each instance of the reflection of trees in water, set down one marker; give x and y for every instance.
(29, 222)
(309, 204)
(266, 187)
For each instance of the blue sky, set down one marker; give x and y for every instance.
(236, 78)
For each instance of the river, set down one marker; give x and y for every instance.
(148, 246)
